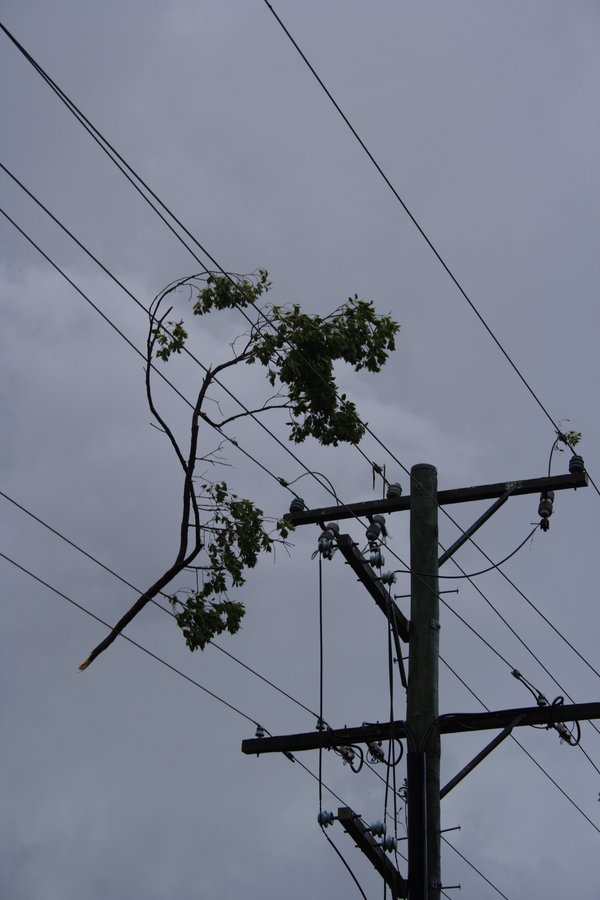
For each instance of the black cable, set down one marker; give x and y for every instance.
(131, 641)
(475, 869)
(264, 468)
(260, 423)
(133, 347)
(527, 753)
(427, 240)
(41, 72)
(320, 723)
(473, 574)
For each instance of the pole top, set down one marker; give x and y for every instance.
(428, 466)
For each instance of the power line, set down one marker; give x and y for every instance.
(96, 308)
(187, 677)
(404, 206)
(264, 468)
(191, 681)
(527, 753)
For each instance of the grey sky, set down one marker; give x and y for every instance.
(126, 781)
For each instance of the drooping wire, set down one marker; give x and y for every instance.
(474, 574)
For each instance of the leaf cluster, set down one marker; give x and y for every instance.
(236, 539)
(301, 352)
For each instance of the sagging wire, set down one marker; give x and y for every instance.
(489, 568)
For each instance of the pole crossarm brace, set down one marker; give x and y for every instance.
(365, 841)
(453, 723)
(444, 498)
(369, 578)
(477, 525)
(479, 758)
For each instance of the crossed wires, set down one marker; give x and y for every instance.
(124, 167)
(386, 448)
(287, 484)
(273, 685)
(234, 442)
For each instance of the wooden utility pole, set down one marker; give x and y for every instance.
(424, 725)
(423, 758)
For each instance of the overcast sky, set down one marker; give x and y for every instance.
(127, 781)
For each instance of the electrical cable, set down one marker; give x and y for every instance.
(131, 641)
(264, 468)
(84, 121)
(236, 443)
(525, 751)
(594, 485)
(412, 218)
(261, 424)
(472, 574)
(475, 869)
(170, 613)
(248, 718)
(192, 681)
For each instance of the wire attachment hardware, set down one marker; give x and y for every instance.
(545, 508)
(326, 542)
(325, 818)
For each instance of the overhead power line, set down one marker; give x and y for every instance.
(236, 443)
(408, 212)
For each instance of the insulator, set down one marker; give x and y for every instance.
(388, 577)
(394, 491)
(333, 527)
(373, 531)
(297, 505)
(320, 726)
(325, 818)
(376, 558)
(389, 843)
(576, 464)
(260, 731)
(325, 545)
(348, 755)
(376, 751)
(378, 829)
(546, 504)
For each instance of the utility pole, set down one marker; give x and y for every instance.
(423, 725)
(423, 758)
